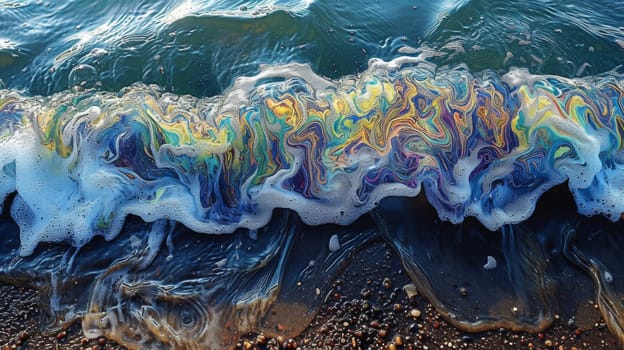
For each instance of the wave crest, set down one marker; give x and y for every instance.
(481, 145)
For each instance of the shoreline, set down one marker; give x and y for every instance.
(367, 308)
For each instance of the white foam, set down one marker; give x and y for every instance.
(86, 193)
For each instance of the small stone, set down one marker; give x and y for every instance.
(247, 345)
(410, 290)
(398, 340)
(334, 243)
(467, 339)
(365, 293)
(548, 343)
(387, 283)
(463, 291)
(391, 347)
(490, 264)
(415, 313)
(382, 333)
(61, 335)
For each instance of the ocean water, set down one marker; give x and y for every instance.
(177, 173)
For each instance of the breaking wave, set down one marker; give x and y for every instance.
(481, 145)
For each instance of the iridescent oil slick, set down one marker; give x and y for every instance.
(163, 220)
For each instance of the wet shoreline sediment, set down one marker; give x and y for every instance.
(366, 308)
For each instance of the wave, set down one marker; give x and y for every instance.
(479, 144)
(220, 8)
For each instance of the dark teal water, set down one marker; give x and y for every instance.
(199, 47)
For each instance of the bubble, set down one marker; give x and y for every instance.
(83, 77)
(608, 277)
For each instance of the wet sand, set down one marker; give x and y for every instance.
(367, 308)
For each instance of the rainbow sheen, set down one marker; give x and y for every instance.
(479, 144)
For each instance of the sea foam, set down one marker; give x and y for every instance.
(480, 145)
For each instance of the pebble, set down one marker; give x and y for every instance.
(490, 264)
(410, 290)
(292, 344)
(334, 243)
(467, 339)
(365, 293)
(415, 313)
(398, 340)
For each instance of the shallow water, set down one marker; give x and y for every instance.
(179, 173)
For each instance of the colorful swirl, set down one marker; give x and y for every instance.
(480, 145)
